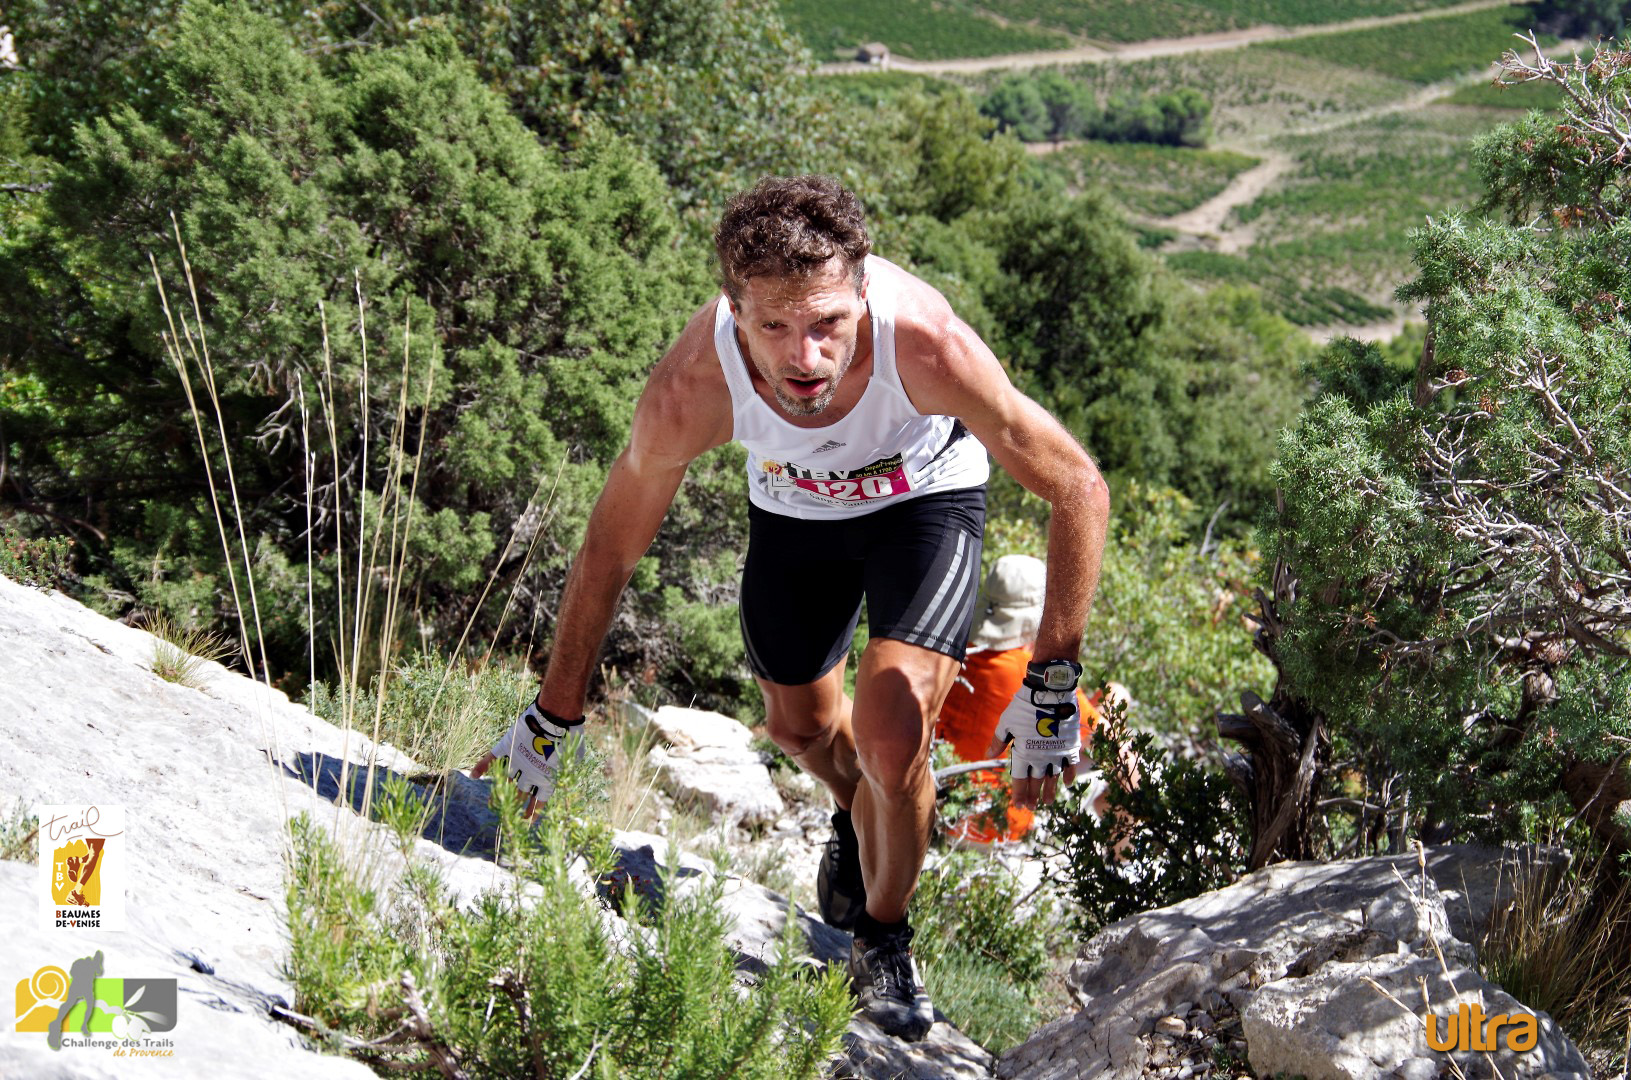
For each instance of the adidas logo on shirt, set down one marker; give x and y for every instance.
(830, 444)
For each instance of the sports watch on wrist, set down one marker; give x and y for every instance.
(1055, 675)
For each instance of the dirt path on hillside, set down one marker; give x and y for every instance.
(1144, 50)
(1207, 219)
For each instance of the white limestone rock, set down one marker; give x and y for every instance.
(1294, 932)
(710, 761)
(1335, 1025)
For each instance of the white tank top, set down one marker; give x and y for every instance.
(883, 452)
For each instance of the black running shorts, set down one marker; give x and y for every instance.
(917, 564)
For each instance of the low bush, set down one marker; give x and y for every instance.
(534, 979)
(440, 716)
(42, 562)
(983, 948)
(1172, 832)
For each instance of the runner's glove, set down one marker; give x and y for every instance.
(531, 750)
(1044, 730)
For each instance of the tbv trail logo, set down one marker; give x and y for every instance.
(83, 866)
(76, 1006)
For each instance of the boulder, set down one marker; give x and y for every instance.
(1284, 953)
(1363, 1019)
(710, 762)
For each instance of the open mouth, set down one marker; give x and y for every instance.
(806, 387)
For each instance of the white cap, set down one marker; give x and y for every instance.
(1013, 603)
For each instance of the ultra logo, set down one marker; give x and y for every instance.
(1464, 1030)
(80, 1002)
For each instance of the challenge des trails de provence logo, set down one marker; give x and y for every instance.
(83, 866)
(79, 1008)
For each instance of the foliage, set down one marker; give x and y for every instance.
(1041, 104)
(1174, 118)
(984, 954)
(521, 985)
(516, 294)
(439, 714)
(1168, 619)
(1131, 362)
(1173, 830)
(1584, 18)
(1454, 45)
(20, 835)
(1044, 105)
(1460, 607)
(1151, 180)
(712, 90)
(921, 29)
(44, 562)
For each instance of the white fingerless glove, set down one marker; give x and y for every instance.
(1044, 731)
(531, 750)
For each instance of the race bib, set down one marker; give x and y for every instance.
(851, 487)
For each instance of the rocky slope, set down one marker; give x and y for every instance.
(1282, 972)
(208, 777)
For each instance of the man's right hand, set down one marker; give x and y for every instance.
(530, 753)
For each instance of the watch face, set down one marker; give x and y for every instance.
(1058, 677)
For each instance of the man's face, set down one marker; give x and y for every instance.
(801, 333)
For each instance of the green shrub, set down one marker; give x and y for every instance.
(1175, 833)
(43, 562)
(983, 957)
(441, 715)
(1168, 619)
(528, 980)
(20, 835)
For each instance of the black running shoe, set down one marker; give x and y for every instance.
(839, 889)
(888, 987)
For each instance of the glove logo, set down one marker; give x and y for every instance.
(1047, 725)
(543, 747)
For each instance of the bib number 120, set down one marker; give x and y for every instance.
(871, 487)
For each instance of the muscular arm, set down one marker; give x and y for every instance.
(946, 368)
(683, 412)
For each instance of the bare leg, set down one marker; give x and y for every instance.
(811, 723)
(898, 692)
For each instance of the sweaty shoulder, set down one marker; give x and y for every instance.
(935, 351)
(685, 408)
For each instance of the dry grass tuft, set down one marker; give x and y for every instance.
(181, 650)
(1562, 945)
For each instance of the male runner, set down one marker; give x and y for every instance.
(867, 408)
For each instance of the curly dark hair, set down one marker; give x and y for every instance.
(790, 226)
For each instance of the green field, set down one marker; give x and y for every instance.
(1139, 20)
(1255, 94)
(940, 29)
(1331, 241)
(920, 29)
(1523, 96)
(1419, 52)
(1150, 181)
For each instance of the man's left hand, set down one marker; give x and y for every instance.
(1046, 732)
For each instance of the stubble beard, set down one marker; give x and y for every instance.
(798, 406)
